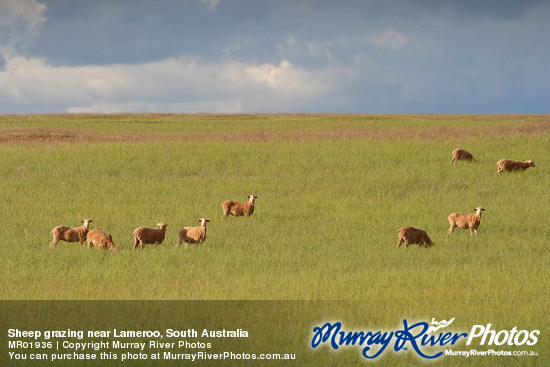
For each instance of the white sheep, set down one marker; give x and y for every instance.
(149, 235)
(465, 221)
(238, 209)
(67, 234)
(510, 165)
(100, 240)
(461, 154)
(193, 234)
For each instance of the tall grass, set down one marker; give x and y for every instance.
(324, 227)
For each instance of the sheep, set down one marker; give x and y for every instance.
(238, 209)
(149, 235)
(411, 235)
(510, 165)
(465, 221)
(100, 240)
(461, 154)
(193, 234)
(67, 234)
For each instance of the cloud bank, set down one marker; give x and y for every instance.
(180, 84)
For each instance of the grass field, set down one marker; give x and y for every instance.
(333, 190)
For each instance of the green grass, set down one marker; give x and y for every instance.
(258, 122)
(325, 223)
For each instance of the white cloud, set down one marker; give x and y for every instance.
(182, 84)
(291, 47)
(17, 12)
(213, 106)
(389, 39)
(211, 4)
(19, 20)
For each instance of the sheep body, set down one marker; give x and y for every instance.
(461, 154)
(67, 234)
(100, 240)
(510, 165)
(149, 236)
(239, 209)
(193, 234)
(465, 221)
(411, 235)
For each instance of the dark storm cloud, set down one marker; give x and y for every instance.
(82, 32)
(270, 56)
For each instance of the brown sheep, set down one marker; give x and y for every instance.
(193, 234)
(461, 154)
(100, 240)
(465, 221)
(149, 236)
(67, 234)
(510, 165)
(239, 209)
(411, 235)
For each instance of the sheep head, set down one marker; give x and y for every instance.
(86, 222)
(203, 221)
(478, 210)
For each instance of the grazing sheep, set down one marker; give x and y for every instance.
(411, 235)
(465, 221)
(193, 234)
(100, 240)
(67, 234)
(461, 154)
(510, 165)
(238, 209)
(149, 236)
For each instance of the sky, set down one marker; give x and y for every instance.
(275, 56)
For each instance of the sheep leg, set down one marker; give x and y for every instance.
(54, 242)
(136, 242)
(451, 229)
(399, 243)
